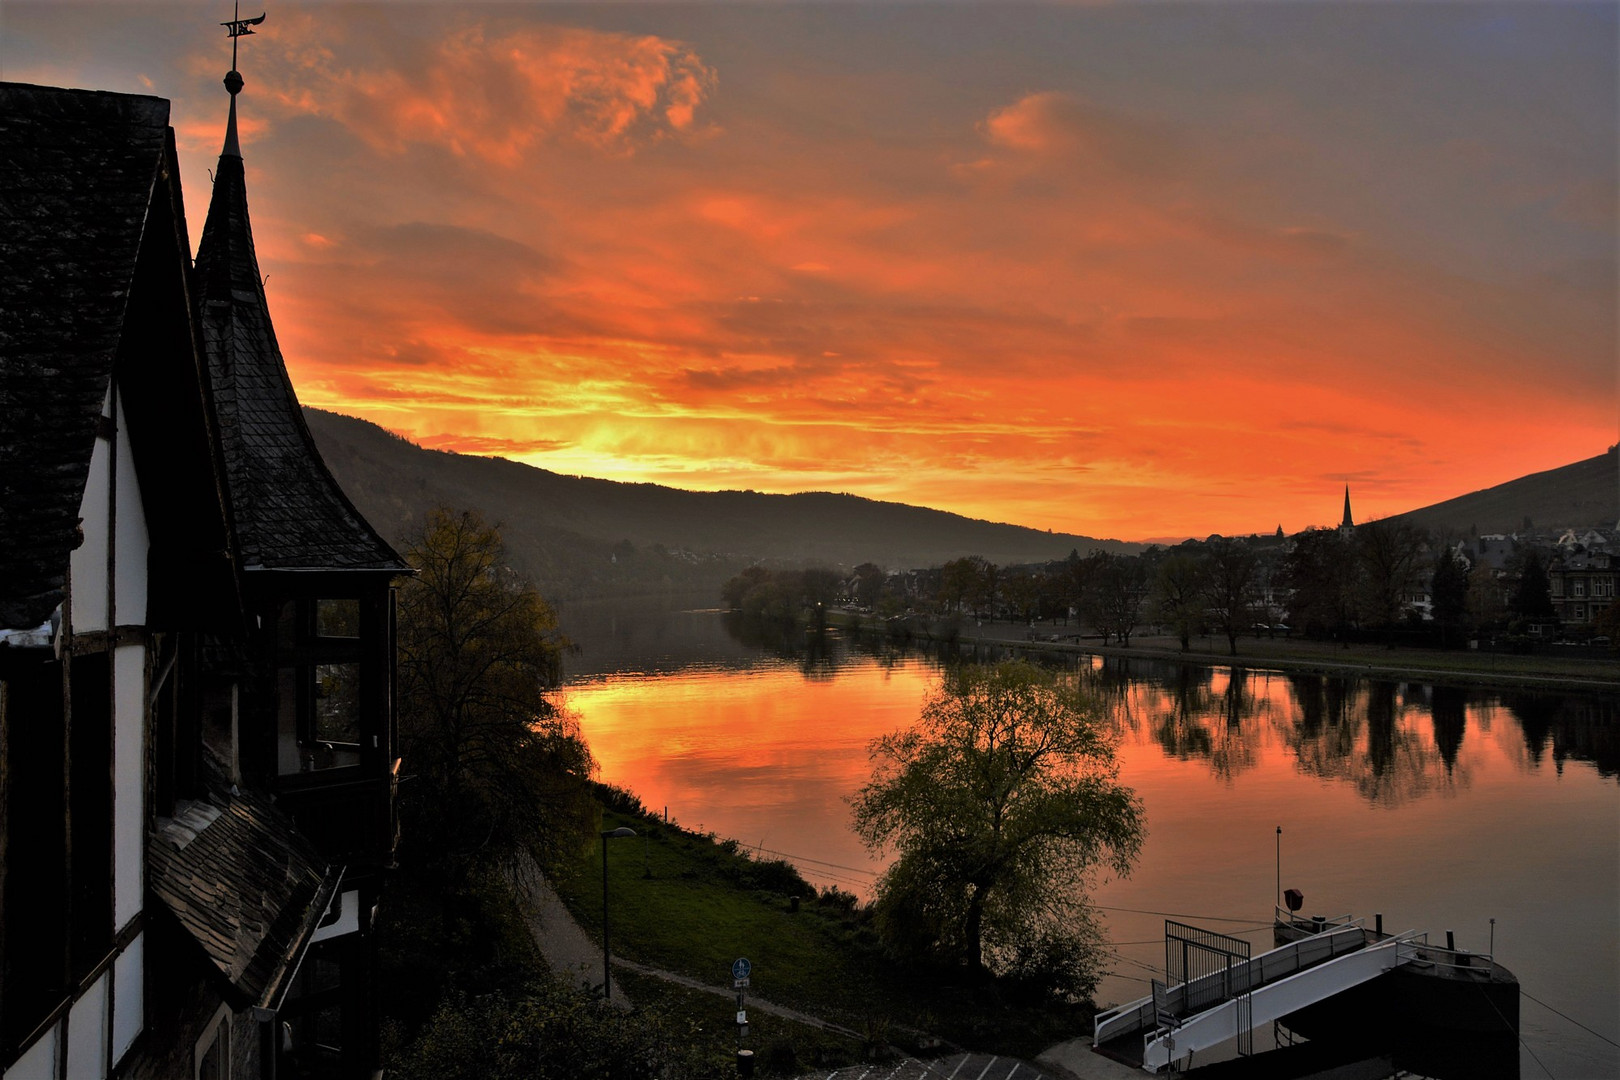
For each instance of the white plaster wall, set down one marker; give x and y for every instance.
(87, 1033)
(132, 538)
(40, 1061)
(129, 1003)
(129, 787)
(89, 560)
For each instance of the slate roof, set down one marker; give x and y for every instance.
(77, 172)
(244, 883)
(289, 512)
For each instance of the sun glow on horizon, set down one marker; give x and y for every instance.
(1105, 278)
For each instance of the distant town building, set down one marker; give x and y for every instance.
(1582, 585)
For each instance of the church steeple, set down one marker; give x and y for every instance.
(1348, 525)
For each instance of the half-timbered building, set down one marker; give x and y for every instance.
(196, 636)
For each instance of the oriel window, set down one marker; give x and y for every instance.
(319, 684)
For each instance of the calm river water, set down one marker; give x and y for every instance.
(1440, 808)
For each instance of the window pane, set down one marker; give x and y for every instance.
(337, 714)
(337, 618)
(288, 758)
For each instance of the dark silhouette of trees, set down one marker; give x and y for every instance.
(968, 582)
(497, 770)
(1229, 583)
(1115, 593)
(1448, 592)
(1486, 607)
(1532, 597)
(1021, 592)
(869, 580)
(1388, 554)
(998, 801)
(1178, 594)
(1320, 573)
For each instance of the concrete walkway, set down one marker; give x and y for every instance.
(567, 950)
(1076, 1059)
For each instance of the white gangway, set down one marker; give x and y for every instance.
(1256, 992)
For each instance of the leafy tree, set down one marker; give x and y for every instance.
(495, 768)
(546, 1031)
(968, 582)
(1486, 608)
(1448, 590)
(735, 591)
(1532, 598)
(999, 801)
(1388, 554)
(1178, 594)
(1022, 592)
(869, 579)
(1229, 583)
(1320, 575)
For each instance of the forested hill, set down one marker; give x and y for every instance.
(575, 536)
(1583, 495)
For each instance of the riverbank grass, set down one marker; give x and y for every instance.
(692, 904)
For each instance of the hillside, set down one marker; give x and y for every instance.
(576, 536)
(1583, 495)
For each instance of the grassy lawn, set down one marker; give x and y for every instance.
(690, 904)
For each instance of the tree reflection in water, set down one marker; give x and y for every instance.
(1392, 741)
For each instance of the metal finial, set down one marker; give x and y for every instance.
(236, 27)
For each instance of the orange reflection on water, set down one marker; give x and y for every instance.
(765, 756)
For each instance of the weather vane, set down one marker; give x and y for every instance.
(239, 26)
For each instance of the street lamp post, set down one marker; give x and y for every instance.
(607, 974)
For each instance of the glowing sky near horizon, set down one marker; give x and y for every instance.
(1132, 270)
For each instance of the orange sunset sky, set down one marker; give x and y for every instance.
(1124, 270)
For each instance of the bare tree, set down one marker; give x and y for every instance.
(1229, 583)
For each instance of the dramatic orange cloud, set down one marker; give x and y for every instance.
(1130, 272)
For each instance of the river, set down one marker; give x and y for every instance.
(1439, 808)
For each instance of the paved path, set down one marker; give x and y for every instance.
(570, 952)
(567, 950)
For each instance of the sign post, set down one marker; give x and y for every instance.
(740, 970)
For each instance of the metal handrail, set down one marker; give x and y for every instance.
(1418, 950)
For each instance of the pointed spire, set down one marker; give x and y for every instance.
(1348, 524)
(234, 84)
(287, 510)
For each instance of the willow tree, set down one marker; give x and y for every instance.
(1000, 803)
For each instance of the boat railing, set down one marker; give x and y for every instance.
(1417, 950)
(1314, 924)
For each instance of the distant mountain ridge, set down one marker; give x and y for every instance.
(1585, 494)
(576, 536)
(580, 537)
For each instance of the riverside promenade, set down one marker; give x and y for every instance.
(1460, 667)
